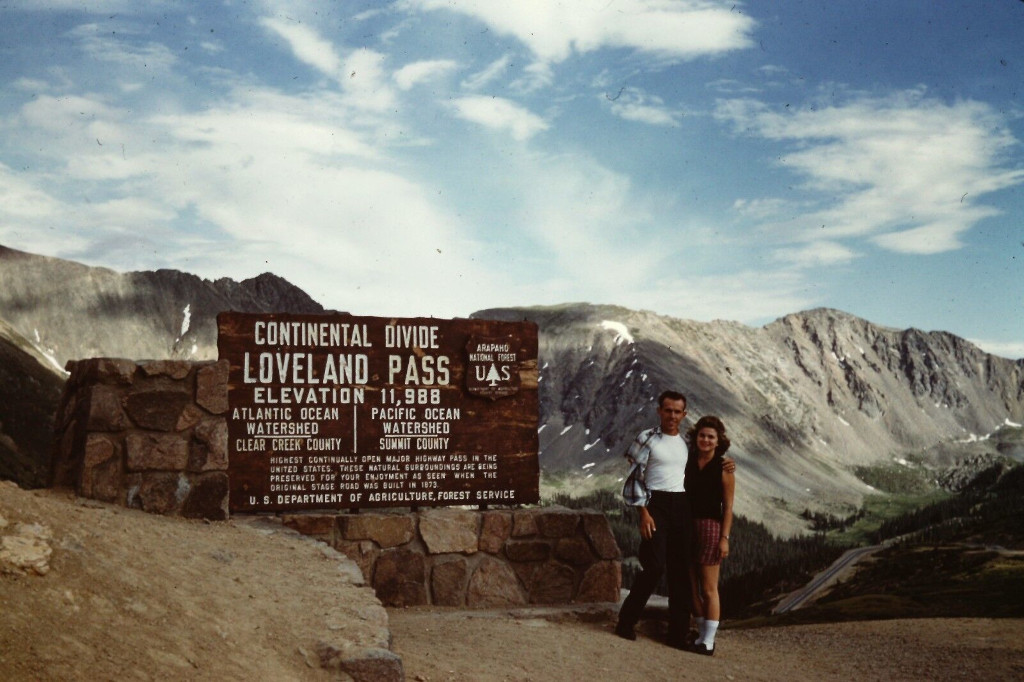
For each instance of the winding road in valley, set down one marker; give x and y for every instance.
(824, 579)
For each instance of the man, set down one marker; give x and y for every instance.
(665, 523)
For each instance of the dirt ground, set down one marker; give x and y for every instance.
(495, 646)
(131, 596)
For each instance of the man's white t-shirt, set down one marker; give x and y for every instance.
(666, 467)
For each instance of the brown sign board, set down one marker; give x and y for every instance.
(341, 412)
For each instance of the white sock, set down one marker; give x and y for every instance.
(698, 622)
(708, 638)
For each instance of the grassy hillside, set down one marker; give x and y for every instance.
(962, 556)
(954, 580)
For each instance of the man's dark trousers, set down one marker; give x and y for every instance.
(668, 549)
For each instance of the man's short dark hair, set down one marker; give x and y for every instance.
(670, 395)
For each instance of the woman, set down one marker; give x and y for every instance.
(710, 491)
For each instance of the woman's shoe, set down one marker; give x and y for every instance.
(703, 650)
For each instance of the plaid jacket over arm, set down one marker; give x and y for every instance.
(638, 453)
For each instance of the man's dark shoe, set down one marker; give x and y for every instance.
(677, 642)
(625, 631)
(680, 641)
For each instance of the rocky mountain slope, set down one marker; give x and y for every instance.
(71, 311)
(30, 387)
(809, 400)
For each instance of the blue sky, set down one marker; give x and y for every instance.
(699, 159)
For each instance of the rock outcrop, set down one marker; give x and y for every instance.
(30, 388)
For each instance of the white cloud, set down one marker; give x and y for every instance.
(816, 254)
(747, 296)
(366, 80)
(939, 236)
(307, 46)
(536, 76)
(37, 221)
(22, 200)
(564, 227)
(773, 70)
(66, 115)
(30, 85)
(761, 209)
(492, 71)
(322, 185)
(361, 73)
(112, 49)
(260, 181)
(554, 30)
(500, 114)
(590, 234)
(731, 86)
(418, 72)
(126, 212)
(904, 171)
(1006, 349)
(633, 104)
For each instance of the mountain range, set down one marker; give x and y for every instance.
(818, 403)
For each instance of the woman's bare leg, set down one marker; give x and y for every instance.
(709, 592)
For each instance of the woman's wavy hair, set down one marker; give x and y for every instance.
(708, 422)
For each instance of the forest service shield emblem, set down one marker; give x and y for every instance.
(492, 370)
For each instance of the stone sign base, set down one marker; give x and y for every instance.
(153, 435)
(476, 559)
(150, 435)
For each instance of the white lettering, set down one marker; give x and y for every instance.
(426, 370)
(410, 336)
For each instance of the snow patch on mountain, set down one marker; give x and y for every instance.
(621, 331)
(186, 319)
(48, 353)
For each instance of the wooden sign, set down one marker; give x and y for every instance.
(336, 411)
